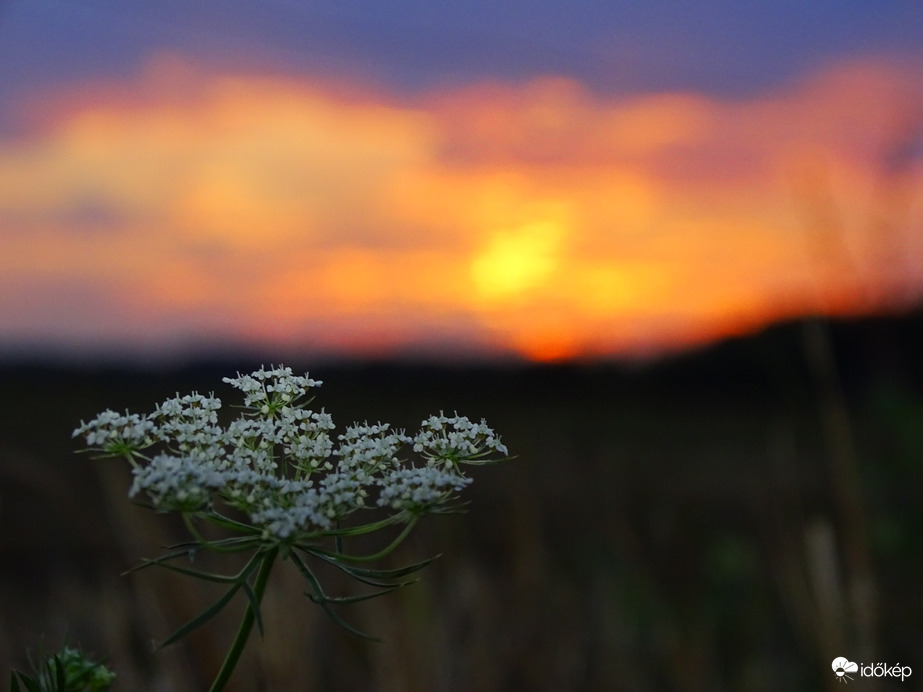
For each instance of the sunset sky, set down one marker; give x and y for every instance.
(543, 180)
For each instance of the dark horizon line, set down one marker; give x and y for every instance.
(433, 356)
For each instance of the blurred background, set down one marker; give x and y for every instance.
(674, 255)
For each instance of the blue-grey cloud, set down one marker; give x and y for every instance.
(718, 46)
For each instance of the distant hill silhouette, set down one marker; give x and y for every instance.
(884, 348)
(866, 349)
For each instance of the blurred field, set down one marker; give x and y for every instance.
(729, 520)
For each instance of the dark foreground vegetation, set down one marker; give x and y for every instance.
(732, 519)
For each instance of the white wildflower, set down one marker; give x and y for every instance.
(449, 440)
(370, 447)
(269, 475)
(303, 515)
(254, 433)
(182, 483)
(419, 489)
(189, 422)
(343, 493)
(117, 434)
(278, 463)
(269, 390)
(306, 441)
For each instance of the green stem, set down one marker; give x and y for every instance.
(246, 624)
(384, 552)
(221, 546)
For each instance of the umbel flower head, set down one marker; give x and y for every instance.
(281, 465)
(281, 480)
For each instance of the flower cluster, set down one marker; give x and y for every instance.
(117, 435)
(453, 440)
(279, 463)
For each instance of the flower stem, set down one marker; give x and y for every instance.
(246, 624)
(384, 552)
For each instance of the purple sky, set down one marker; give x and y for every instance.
(719, 46)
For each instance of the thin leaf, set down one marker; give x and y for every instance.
(220, 520)
(367, 528)
(219, 546)
(201, 618)
(381, 584)
(354, 599)
(207, 576)
(352, 629)
(239, 581)
(60, 674)
(180, 551)
(387, 550)
(372, 577)
(356, 571)
(254, 606)
(450, 508)
(183, 550)
(331, 613)
(196, 546)
(31, 684)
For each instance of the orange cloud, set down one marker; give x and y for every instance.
(537, 218)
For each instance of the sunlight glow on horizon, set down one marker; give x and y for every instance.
(535, 219)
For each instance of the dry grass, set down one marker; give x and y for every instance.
(656, 533)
